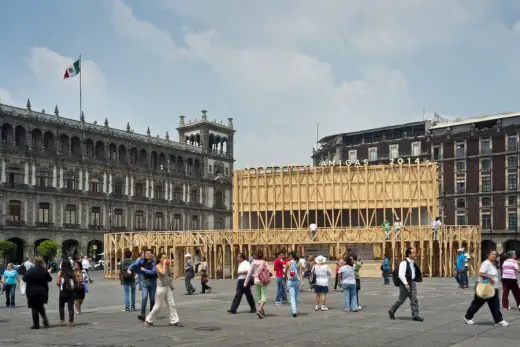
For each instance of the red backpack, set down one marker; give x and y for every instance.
(264, 275)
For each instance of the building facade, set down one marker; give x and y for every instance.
(71, 181)
(478, 167)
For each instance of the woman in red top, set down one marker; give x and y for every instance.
(281, 292)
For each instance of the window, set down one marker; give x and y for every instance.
(486, 202)
(461, 186)
(460, 166)
(394, 151)
(512, 162)
(15, 210)
(118, 217)
(416, 149)
(461, 219)
(70, 183)
(511, 200)
(194, 222)
(15, 176)
(177, 194)
(70, 214)
(512, 180)
(226, 171)
(139, 190)
(437, 153)
(486, 221)
(219, 199)
(511, 143)
(118, 188)
(210, 168)
(139, 219)
(485, 146)
(194, 196)
(486, 184)
(459, 150)
(461, 203)
(93, 186)
(485, 164)
(177, 222)
(512, 221)
(43, 212)
(219, 223)
(95, 216)
(43, 179)
(372, 154)
(158, 192)
(159, 221)
(352, 155)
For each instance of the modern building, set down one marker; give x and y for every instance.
(478, 166)
(71, 181)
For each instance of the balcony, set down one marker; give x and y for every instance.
(140, 229)
(95, 194)
(71, 226)
(19, 186)
(117, 228)
(15, 223)
(44, 225)
(46, 189)
(220, 206)
(95, 227)
(139, 198)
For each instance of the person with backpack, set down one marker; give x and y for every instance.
(294, 278)
(262, 277)
(128, 281)
(66, 282)
(406, 277)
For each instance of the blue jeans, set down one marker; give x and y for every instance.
(465, 280)
(10, 291)
(294, 294)
(385, 276)
(139, 280)
(350, 297)
(148, 286)
(129, 289)
(281, 294)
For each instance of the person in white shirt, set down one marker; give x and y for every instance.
(303, 263)
(312, 230)
(409, 275)
(435, 227)
(488, 273)
(243, 269)
(397, 227)
(86, 267)
(321, 288)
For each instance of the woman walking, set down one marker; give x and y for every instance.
(37, 279)
(81, 285)
(509, 281)
(488, 275)
(321, 288)
(262, 277)
(294, 278)
(10, 278)
(347, 277)
(164, 293)
(204, 278)
(66, 281)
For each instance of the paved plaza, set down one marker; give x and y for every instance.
(206, 322)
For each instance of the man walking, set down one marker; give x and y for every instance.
(86, 266)
(147, 268)
(243, 269)
(409, 274)
(461, 268)
(281, 291)
(128, 281)
(189, 273)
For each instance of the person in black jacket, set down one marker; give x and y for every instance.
(37, 291)
(409, 275)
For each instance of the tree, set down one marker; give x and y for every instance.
(47, 249)
(7, 248)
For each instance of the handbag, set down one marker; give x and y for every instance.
(485, 290)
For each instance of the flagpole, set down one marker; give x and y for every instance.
(80, 94)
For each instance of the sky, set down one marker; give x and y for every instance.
(279, 68)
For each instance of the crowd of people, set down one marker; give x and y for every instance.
(154, 278)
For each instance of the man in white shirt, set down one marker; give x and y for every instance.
(312, 230)
(435, 227)
(86, 266)
(397, 228)
(28, 264)
(409, 274)
(243, 269)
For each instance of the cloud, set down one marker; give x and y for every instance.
(48, 67)
(6, 98)
(292, 64)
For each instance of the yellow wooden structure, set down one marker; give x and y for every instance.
(273, 207)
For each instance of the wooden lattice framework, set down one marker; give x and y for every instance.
(278, 198)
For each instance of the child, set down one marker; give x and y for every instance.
(204, 278)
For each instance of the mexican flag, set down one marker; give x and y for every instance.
(73, 70)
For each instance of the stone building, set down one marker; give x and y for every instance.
(70, 180)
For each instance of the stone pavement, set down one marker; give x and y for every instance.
(206, 322)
